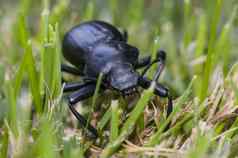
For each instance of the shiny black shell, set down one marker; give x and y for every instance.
(81, 38)
(91, 45)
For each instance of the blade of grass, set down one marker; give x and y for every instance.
(98, 85)
(222, 46)
(23, 37)
(200, 46)
(19, 75)
(43, 147)
(211, 51)
(106, 117)
(55, 61)
(2, 75)
(59, 11)
(33, 77)
(114, 130)
(186, 118)
(24, 7)
(129, 124)
(226, 134)
(228, 80)
(113, 9)
(155, 138)
(51, 63)
(136, 14)
(12, 109)
(201, 36)
(4, 141)
(89, 12)
(44, 38)
(29, 64)
(200, 147)
(187, 22)
(20, 32)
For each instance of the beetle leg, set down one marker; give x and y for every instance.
(75, 86)
(158, 72)
(159, 90)
(146, 61)
(83, 93)
(143, 62)
(71, 70)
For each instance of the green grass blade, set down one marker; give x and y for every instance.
(2, 75)
(136, 14)
(201, 36)
(24, 7)
(51, 63)
(44, 38)
(56, 62)
(23, 37)
(33, 77)
(129, 124)
(59, 11)
(44, 145)
(155, 139)
(114, 130)
(187, 23)
(113, 9)
(222, 46)
(90, 9)
(19, 75)
(96, 93)
(200, 47)
(4, 141)
(104, 120)
(200, 148)
(12, 109)
(211, 51)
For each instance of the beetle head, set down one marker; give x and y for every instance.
(123, 78)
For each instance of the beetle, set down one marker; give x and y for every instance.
(95, 47)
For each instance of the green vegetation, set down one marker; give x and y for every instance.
(201, 41)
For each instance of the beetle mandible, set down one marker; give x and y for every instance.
(96, 47)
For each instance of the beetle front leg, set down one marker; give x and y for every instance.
(83, 93)
(146, 61)
(159, 90)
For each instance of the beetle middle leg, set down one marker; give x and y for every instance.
(71, 70)
(69, 87)
(159, 90)
(86, 90)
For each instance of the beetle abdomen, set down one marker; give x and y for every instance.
(71, 51)
(80, 39)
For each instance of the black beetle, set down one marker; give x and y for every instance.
(96, 47)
